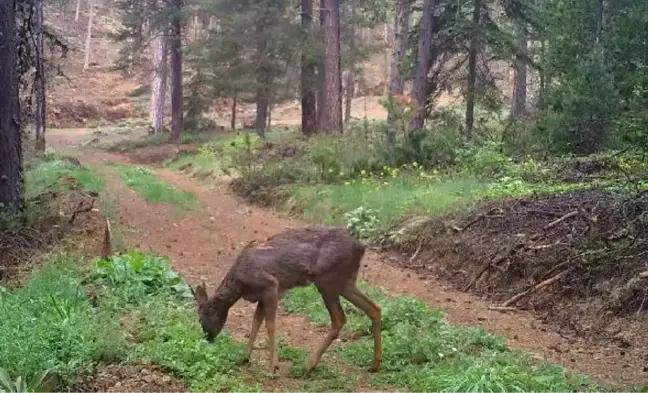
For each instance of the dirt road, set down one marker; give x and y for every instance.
(204, 245)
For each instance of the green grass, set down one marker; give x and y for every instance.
(153, 189)
(423, 353)
(406, 194)
(49, 325)
(45, 174)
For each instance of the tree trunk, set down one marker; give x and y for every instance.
(262, 82)
(158, 93)
(86, 61)
(386, 60)
(11, 180)
(308, 78)
(350, 85)
(321, 72)
(472, 72)
(518, 105)
(40, 77)
(419, 88)
(397, 80)
(541, 104)
(233, 119)
(332, 113)
(176, 74)
(78, 10)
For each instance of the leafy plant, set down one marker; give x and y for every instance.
(362, 222)
(136, 275)
(36, 384)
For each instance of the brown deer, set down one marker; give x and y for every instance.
(328, 257)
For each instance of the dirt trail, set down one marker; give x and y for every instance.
(203, 246)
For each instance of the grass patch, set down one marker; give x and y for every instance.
(390, 198)
(49, 325)
(423, 353)
(141, 313)
(153, 189)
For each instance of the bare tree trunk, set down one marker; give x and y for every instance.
(350, 85)
(308, 78)
(321, 72)
(78, 10)
(419, 88)
(233, 119)
(86, 61)
(262, 81)
(332, 114)
(386, 62)
(11, 159)
(518, 105)
(472, 73)
(176, 74)
(397, 80)
(158, 93)
(40, 78)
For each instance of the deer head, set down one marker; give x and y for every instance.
(212, 313)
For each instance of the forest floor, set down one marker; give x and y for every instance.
(202, 246)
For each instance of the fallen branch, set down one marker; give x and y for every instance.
(416, 253)
(536, 287)
(502, 309)
(561, 219)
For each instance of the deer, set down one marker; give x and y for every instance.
(328, 257)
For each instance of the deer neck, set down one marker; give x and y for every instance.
(227, 294)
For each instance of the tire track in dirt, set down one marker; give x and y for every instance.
(203, 247)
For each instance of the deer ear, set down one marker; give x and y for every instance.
(200, 294)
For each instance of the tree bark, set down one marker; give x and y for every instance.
(233, 118)
(78, 10)
(262, 81)
(176, 74)
(308, 78)
(11, 180)
(397, 80)
(321, 72)
(472, 72)
(332, 113)
(386, 60)
(349, 83)
(419, 88)
(40, 77)
(86, 61)
(158, 93)
(518, 105)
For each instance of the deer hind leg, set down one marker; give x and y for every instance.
(338, 319)
(360, 300)
(256, 324)
(270, 304)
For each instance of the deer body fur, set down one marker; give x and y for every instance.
(327, 257)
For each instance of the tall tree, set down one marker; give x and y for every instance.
(321, 72)
(472, 70)
(40, 77)
(332, 108)
(397, 78)
(86, 61)
(159, 81)
(11, 181)
(308, 78)
(350, 75)
(518, 104)
(176, 72)
(78, 11)
(423, 64)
